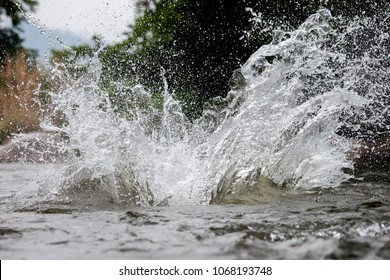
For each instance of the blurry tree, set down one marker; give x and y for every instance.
(200, 43)
(76, 58)
(19, 110)
(11, 17)
(20, 103)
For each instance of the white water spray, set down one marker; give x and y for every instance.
(279, 130)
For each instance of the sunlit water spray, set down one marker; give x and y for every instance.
(287, 124)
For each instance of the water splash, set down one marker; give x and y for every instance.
(286, 124)
(54, 41)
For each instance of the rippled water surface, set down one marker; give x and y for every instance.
(349, 222)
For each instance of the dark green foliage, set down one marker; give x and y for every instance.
(200, 43)
(10, 41)
(76, 58)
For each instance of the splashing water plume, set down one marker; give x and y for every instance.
(289, 124)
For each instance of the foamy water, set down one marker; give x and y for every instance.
(280, 129)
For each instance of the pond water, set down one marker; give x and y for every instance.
(349, 222)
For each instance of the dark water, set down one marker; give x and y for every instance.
(348, 222)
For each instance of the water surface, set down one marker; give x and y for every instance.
(349, 222)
